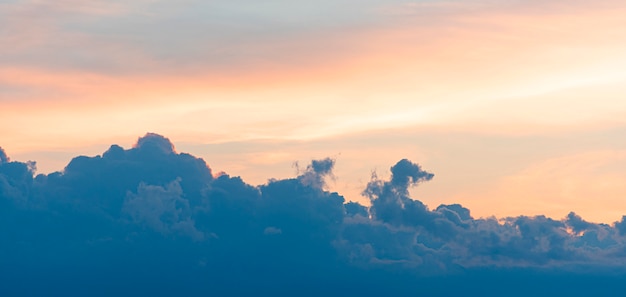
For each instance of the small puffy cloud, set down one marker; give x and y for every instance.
(390, 200)
(316, 172)
(406, 173)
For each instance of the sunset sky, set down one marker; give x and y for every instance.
(517, 107)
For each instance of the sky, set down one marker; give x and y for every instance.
(517, 106)
(189, 147)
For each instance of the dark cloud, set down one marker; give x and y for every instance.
(15, 179)
(155, 144)
(162, 209)
(3, 157)
(577, 223)
(316, 172)
(152, 221)
(406, 173)
(621, 226)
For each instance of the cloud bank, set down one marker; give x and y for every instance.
(152, 221)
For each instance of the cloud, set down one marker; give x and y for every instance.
(16, 179)
(109, 36)
(155, 144)
(577, 223)
(405, 174)
(3, 156)
(162, 209)
(315, 173)
(161, 218)
(621, 226)
(390, 200)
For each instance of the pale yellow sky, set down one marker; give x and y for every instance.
(517, 107)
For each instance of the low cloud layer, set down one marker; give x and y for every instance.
(152, 221)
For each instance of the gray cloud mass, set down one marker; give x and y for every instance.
(151, 220)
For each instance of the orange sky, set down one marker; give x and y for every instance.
(517, 107)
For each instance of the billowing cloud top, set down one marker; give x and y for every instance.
(152, 221)
(3, 157)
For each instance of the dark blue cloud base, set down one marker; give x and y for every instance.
(149, 221)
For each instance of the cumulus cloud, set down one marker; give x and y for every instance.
(3, 156)
(390, 200)
(15, 179)
(162, 209)
(155, 143)
(316, 172)
(621, 226)
(162, 219)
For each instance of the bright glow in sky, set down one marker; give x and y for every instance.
(517, 106)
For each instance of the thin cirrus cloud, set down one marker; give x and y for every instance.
(446, 60)
(150, 219)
